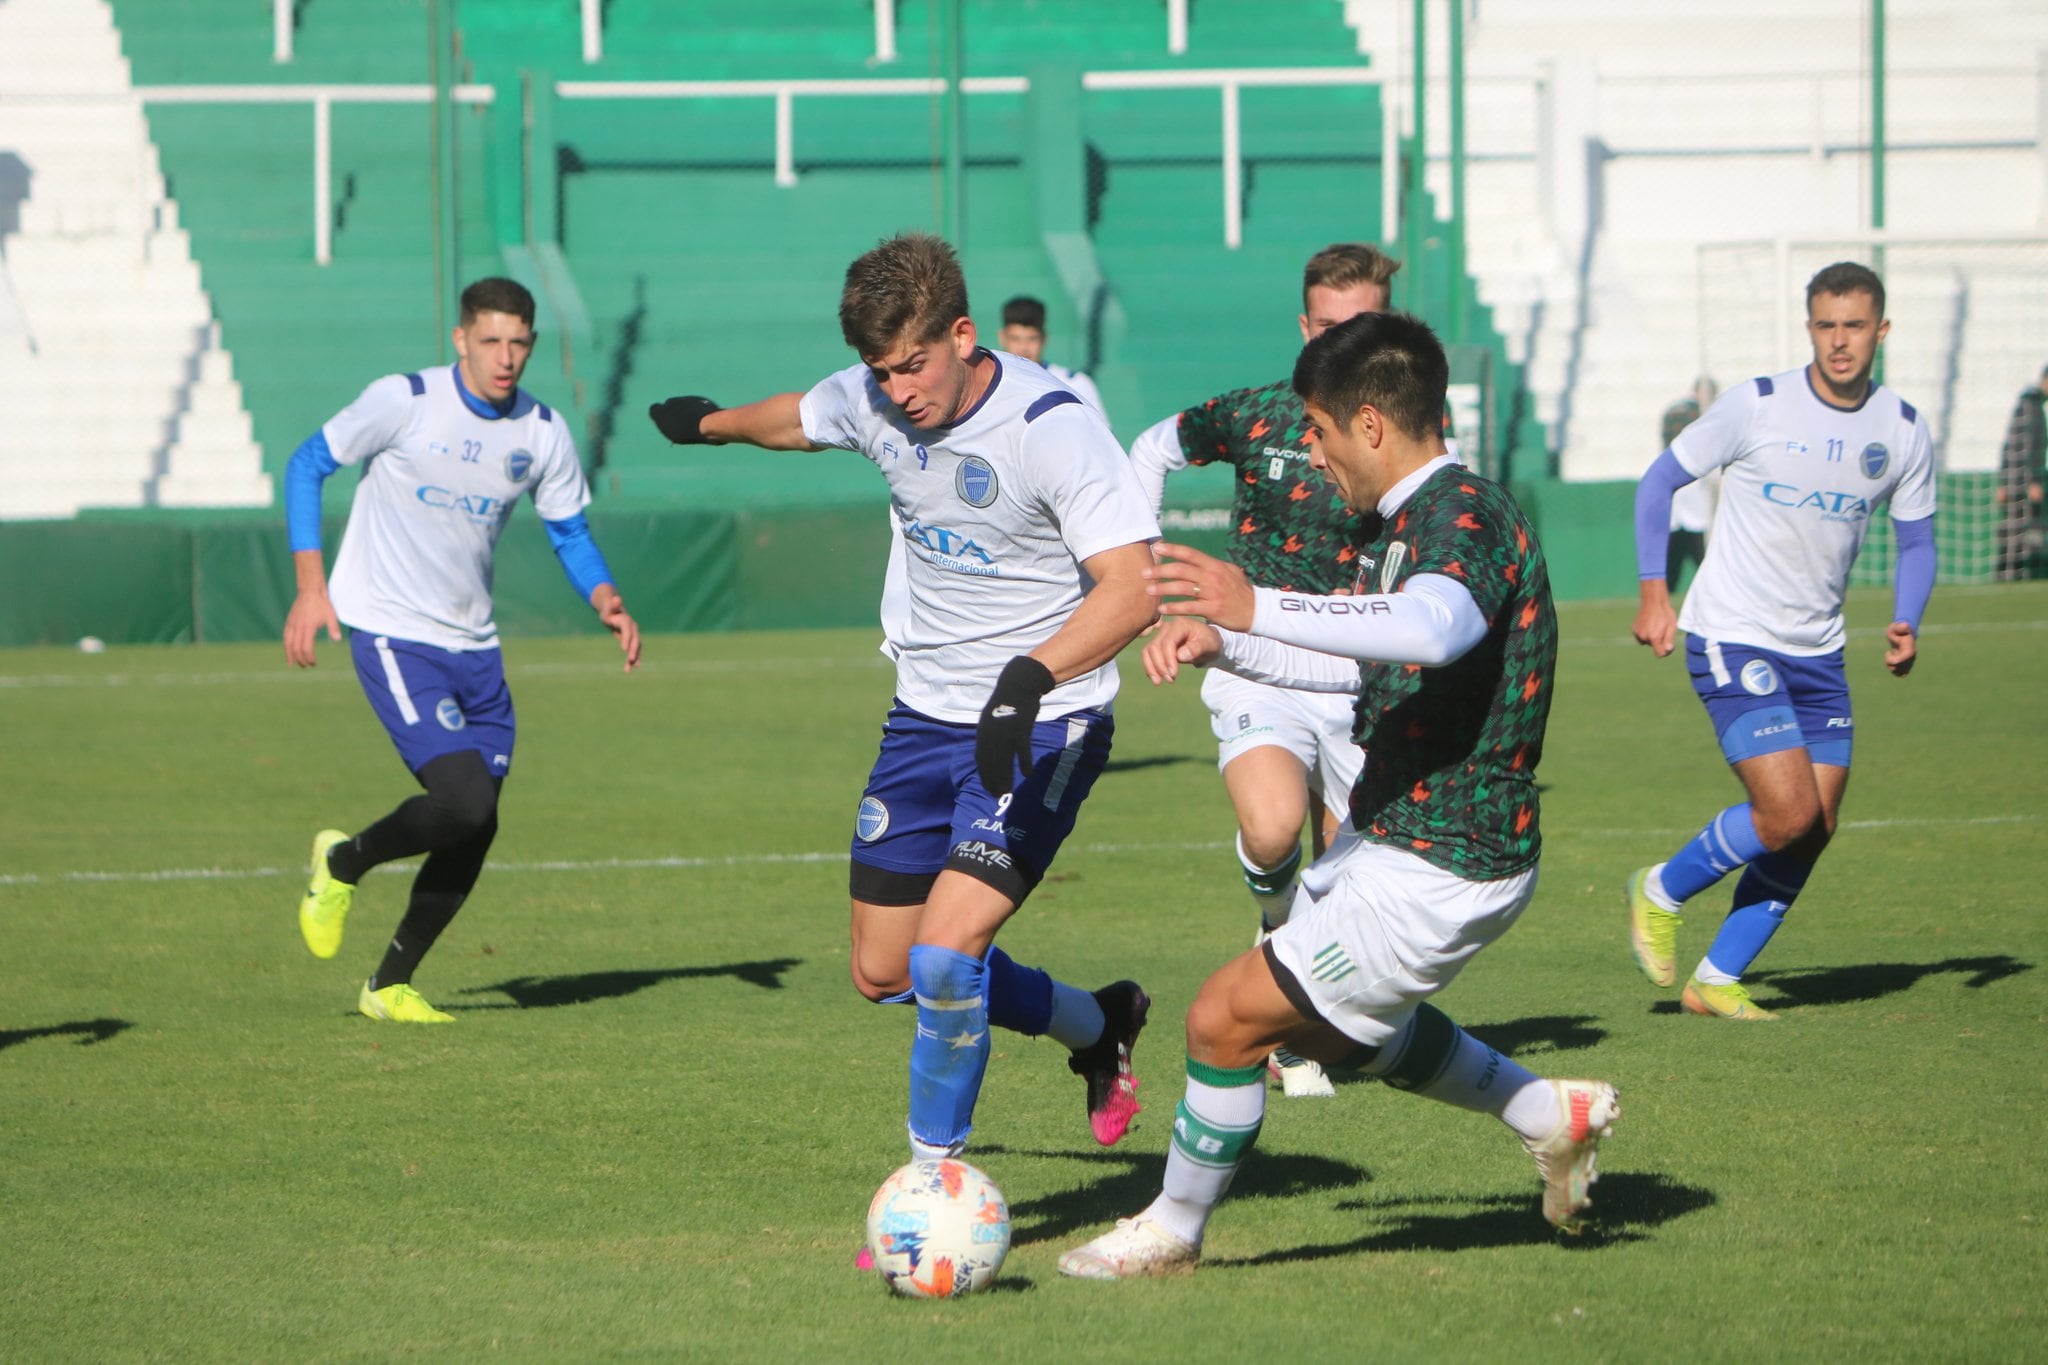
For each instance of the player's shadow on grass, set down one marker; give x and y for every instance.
(546, 992)
(1118, 1192)
(1795, 986)
(86, 1031)
(1625, 1206)
(1540, 1033)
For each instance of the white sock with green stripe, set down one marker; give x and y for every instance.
(1214, 1127)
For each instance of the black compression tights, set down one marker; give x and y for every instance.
(453, 823)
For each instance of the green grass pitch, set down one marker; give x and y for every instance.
(653, 1130)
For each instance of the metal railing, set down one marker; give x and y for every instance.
(323, 98)
(1227, 82)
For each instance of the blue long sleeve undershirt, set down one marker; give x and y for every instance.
(581, 559)
(1664, 477)
(308, 470)
(1913, 575)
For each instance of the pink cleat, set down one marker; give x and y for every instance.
(1106, 1063)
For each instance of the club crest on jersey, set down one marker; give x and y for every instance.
(975, 481)
(518, 465)
(1874, 459)
(1390, 570)
(1758, 678)
(449, 714)
(873, 821)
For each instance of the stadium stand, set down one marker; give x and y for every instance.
(1629, 172)
(117, 389)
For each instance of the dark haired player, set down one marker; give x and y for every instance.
(1450, 647)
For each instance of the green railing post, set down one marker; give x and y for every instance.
(441, 129)
(1455, 265)
(1413, 207)
(952, 188)
(1877, 79)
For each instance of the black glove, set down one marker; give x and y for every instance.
(682, 419)
(1004, 734)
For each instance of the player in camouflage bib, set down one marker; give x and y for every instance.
(1286, 755)
(1449, 646)
(1462, 802)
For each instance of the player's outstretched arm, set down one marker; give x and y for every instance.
(311, 610)
(611, 609)
(1204, 585)
(773, 423)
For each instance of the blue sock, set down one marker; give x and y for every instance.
(1767, 889)
(1019, 997)
(1728, 841)
(950, 1053)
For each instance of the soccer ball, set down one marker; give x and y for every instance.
(938, 1229)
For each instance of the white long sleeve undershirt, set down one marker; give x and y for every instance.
(1315, 644)
(1155, 454)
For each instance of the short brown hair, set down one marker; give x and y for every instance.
(909, 288)
(1341, 265)
(497, 295)
(1846, 277)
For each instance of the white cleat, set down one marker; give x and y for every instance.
(1566, 1158)
(1135, 1247)
(1299, 1077)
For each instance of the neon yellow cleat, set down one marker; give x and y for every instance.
(1722, 1002)
(1652, 932)
(400, 1004)
(325, 905)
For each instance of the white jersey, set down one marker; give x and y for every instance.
(1801, 481)
(439, 482)
(995, 515)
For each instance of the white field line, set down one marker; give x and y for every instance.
(341, 672)
(227, 874)
(1931, 630)
(344, 673)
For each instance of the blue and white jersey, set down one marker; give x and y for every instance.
(1801, 481)
(440, 479)
(995, 515)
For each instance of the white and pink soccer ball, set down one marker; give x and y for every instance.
(938, 1229)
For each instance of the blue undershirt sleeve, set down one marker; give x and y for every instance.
(307, 471)
(1653, 513)
(1913, 577)
(580, 557)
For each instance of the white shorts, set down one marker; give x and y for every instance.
(1313, 726)
(1375, 931)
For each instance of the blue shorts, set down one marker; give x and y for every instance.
(1764, 702)
(436, 701)
(925, 809)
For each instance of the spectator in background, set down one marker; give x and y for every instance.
(1692, 507)
(2020, 479)
(1023, 334)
